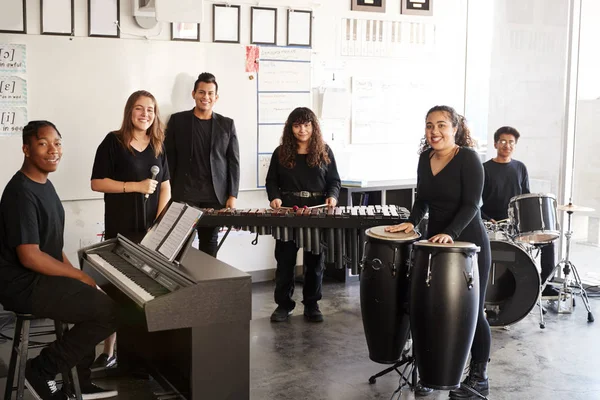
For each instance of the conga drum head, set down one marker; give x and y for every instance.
(379, 232)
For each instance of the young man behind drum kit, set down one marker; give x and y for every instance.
(505, 178)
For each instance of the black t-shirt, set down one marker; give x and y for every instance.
(30, 213)
(503, 181)
(281, 180)
(452, 197)
(198, 187)
(124, 212)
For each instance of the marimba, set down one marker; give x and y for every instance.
(339, 231)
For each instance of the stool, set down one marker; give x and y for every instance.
(19, 352)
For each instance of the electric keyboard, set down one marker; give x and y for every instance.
(186, 322)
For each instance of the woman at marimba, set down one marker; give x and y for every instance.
(450, 183)
(302, 173)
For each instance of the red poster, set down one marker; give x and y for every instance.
(251, 58)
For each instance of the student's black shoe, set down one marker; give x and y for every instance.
(313, 314)
(422, 391)
(477, 381)
(104, 361)
(550, 291)
(90, 391)
(40, 387)
(281, 314)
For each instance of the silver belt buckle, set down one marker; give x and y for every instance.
(304, 194)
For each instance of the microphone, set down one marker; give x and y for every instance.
(154, 171)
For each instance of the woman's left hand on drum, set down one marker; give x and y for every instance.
(441, 238)
(406, 227)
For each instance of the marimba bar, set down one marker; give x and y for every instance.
(339, 231)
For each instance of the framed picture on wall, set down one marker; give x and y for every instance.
(13, 18)
(103, 17)
(299, 29)
(368, 5)
(226, 23)
(57, 17)
(189, 31)
(417, 7)
(263, 25)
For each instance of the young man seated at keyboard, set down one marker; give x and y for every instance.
(37, 278)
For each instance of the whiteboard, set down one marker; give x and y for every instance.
(269, 137)
(276, 107)
(283, 76)
(81, 84)
(383, 112)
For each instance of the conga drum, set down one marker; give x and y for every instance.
(384, 288)
(444, 305)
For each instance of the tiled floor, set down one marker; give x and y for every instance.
(297, 360)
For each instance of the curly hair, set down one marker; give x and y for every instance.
(317, 149)
(463, 134)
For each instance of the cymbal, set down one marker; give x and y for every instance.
(574, 208)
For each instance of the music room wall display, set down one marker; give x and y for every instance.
(226, 23)
(189, 31)
(417, 7)
(57, 17)
(263, 25)
(299, 29)
(368, 5)
(103, 17)
(13, 17)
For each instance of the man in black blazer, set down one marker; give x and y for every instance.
(204, 157)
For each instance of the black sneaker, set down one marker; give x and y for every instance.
(40, 387)
(422, 391)
(90, 391)
(313, 314)
(281, 314)
(550, 291)
(104, 361)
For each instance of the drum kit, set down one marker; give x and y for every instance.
(414, 293)
(514, 284)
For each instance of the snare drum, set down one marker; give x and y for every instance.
(513, 285)
(384, 289)
(444, 308)
(533, 218)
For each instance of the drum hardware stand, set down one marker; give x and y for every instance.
(408, 362)
(566, 291)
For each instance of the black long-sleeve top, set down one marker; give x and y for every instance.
(452, 197)
(503, 181)
(282, 181)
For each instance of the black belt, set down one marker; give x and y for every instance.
(304, 194)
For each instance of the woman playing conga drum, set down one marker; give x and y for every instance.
(450, 183)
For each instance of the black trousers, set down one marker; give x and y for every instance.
(208, 237)
(93, 314)
(285, 254)
(547, 261)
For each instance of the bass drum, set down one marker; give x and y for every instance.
(513, 285)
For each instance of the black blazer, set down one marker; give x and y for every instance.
(224, 154)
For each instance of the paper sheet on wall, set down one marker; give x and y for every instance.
(264, 160)
(385, 111)
(13, 58)
(13, 91)
(269, 137)
(12, 120)
(336, 103)
(276, 107)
